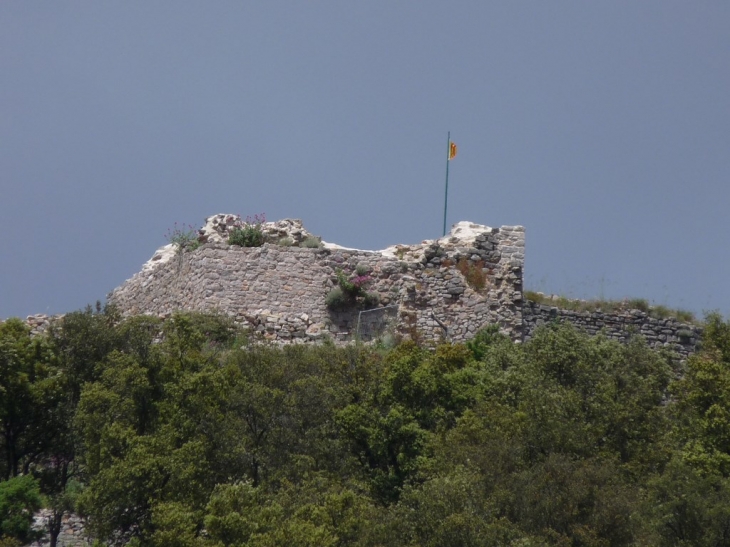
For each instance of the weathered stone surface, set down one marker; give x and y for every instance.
(272, 286)
(72, 534)
(218, 227)
(659, 333)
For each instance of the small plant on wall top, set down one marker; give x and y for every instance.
(250, 234)
(351, 292)
(184, 237)
(311, 242)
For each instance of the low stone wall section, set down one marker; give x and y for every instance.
(668, 333)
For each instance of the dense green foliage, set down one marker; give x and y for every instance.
(185, 434)
(19, 499)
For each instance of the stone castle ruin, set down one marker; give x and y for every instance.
(443, 289)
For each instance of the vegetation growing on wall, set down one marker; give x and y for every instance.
(182, 433)
(185, 238)
(350, 292)
(311, 242)
(250, 234)
(473, 272)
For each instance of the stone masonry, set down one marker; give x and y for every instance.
(669, 334)
(73, 531)
(440, 289)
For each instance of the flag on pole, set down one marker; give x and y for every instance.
(450, 155)
(452, 150)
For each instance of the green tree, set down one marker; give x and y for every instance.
(82, 340)
(27, 394)
(702, 409)
(388, 443)
(451, 508)
(561, 431)
(687, 507)
(161, 431)
(688, 501)
(192, 437)
(19, 500)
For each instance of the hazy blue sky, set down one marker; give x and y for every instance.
(602, 127)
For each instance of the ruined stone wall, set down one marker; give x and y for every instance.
(279, 291)
(73, 530)
(445, 289)
(668, 333)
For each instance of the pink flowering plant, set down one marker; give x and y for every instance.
(250, 233)
(351, 292)
(185, 237)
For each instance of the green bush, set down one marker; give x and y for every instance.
(348, 287)
(249, 235)
(642, 304)
(370, 300)
(658, 311)
(337, 300)
(684, 334)
(311, 242)
(19, 498)
(685, 316)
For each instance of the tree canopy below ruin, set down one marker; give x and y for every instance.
(185, 432)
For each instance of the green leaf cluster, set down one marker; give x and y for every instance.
(19, 499)
(248, 235)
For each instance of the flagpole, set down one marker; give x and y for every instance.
(446, 193)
